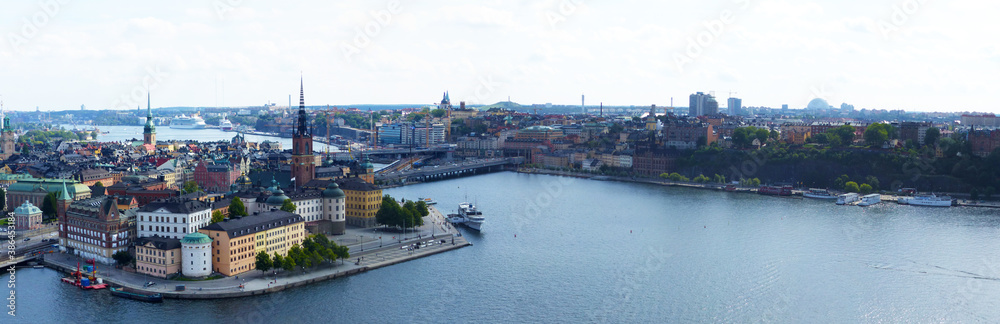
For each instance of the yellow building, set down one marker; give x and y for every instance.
(236, 242)
(157, 256)
(363, 201)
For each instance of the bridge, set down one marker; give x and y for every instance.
(441, 172)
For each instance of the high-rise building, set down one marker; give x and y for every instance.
(303, 162)
(702, 104)
(735, 106)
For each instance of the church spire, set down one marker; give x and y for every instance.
(303, 125)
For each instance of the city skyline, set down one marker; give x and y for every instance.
(912, 55)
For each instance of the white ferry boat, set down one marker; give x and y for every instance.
(187, 122)
(469, 216)
(848, 198)
(818, 194)
(872, 199)
(929, 200)
(226, 125)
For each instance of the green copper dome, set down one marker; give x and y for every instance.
(277, 197)
(196, 238)
(27, 209)
(333, 191)
(367, 164)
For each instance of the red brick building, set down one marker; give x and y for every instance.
(652, 163)
(686, 135)
(984, 141)
(215, 177)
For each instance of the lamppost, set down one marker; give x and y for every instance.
(361, 243)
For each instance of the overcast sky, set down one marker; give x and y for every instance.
(902, 54)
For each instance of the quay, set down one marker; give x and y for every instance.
(254, 282)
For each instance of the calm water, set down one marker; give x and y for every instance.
(590, 251)
(125, 133)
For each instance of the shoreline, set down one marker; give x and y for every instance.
(263, 283)
(718, 187)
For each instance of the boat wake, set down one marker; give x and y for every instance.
(930, 269)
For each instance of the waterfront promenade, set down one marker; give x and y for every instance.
(256, 283)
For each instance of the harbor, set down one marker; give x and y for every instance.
(437, 236)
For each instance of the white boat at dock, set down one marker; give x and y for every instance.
(928, 200)
(872, 199)
(818, 194)
(848, 199)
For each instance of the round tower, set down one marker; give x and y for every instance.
(196, 255)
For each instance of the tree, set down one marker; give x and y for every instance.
(755, 182)
(123, 258)
(49, 208)
(865, 189)
(851, 186)
(217, 216)
(873, 181)
(701, 178)
(190, 187)
(932, 136)
(438, 113)
(876, 134)
(841, 181)
(263, 262)
(288, 206)
(288, 263)
(422, 208)
(277, 262)
(236, 207)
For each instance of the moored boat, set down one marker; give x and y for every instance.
(848, 199)
(927, 200)
(869, 200)
(149, 298)
(818, 194)
(775, 190)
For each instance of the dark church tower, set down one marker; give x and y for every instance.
(303, 162)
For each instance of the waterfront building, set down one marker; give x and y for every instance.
(93, 227)
(34, 190)
(363, 201)
(149, 131)
(27, 217)
(157, 256)
(652, 163)
(236, 242)
(303, 162)
(196, 255)
(173, 218)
